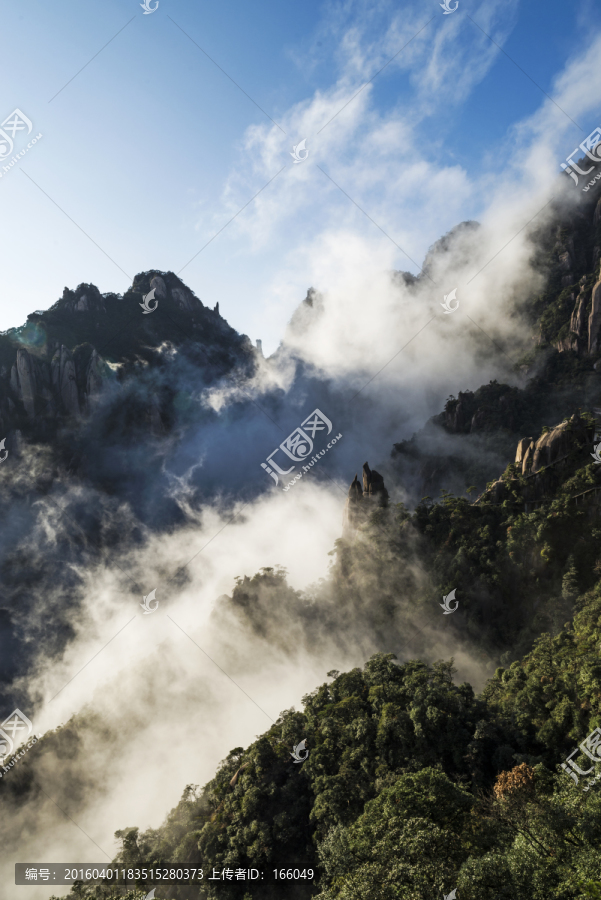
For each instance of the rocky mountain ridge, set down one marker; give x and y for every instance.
(53, 367)
(477, 431)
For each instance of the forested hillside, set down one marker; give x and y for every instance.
(414, 786)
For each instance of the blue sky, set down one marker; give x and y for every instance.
(151, 149)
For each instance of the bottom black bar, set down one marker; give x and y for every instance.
(149, 876)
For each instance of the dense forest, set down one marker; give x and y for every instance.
(414, 786)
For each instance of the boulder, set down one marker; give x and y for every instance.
(558, 442)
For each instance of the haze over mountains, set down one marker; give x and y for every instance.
(131, 421)
(135, 443)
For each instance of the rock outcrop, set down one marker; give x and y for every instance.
(458, 416)
(532, 456)
(373, 485)
(557, 443)
(182, 296)
(523, 454)
(543, 460)
(490, 407)
(362, 501)
(87, 298)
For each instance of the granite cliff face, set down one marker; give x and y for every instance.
(61, 387)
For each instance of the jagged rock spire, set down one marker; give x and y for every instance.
(363, 500)
(373, 483)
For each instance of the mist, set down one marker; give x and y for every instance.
(146, 704)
